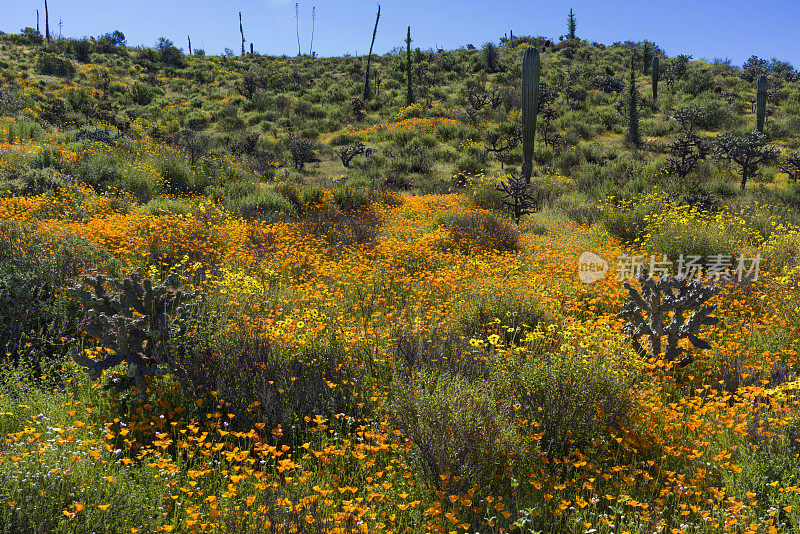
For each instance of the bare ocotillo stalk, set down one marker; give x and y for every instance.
(313, 23)
(297, 25)
(367, 92)
(190, 44)
(241, 31)
(37, 21)
(531, 68)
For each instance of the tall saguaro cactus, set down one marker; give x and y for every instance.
(410, 92)
(761, 102)
(531, 68)
(46, 22)
(654, 75)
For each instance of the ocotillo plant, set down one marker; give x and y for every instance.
(531, 68)
(410, 92)
(633, 107)
(647, 50)
(367, 93)
(313, 25)
(654, 75)
(241, 31)
(571, 25)
(190, 44)
(761, 102)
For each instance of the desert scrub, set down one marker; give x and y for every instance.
(482, 231)
(683, 230)
(461, 434)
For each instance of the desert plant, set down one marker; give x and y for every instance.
(409, 70)
(660, 298)
(302, 152)
(748, 150)
(685, 152)
(516, 196)
(790, 164)
(654, 77)
(530, 92)
(483, 230)
(761, 102)
(367, 91)
(571, 25)
(134, 325)
(347, 153)
(633, 107)
(462, 436)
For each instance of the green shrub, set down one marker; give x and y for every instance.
(542, 155)
(468, 166)
(163, 206)
(457, 428)
(350, 199)
(482, 230)
(265, 204)
(178, 177)
(487, 197)
(629, 225)
(572, 398)
(55, 65)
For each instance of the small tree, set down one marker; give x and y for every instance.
(491, 57)
(748, 150)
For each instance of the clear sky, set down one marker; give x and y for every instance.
(735, 29)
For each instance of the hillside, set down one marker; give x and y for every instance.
(239, 295)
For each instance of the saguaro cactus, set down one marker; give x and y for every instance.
(410, 92)
(531, 68)
(46, 21)
(654, 75)
(761, 102)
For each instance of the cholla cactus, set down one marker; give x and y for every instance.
(659, 298)
(516, 196)
(135, 322)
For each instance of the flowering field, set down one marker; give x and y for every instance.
(237, 297)
(412, 382)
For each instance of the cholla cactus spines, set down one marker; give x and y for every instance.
(761, 102)
(660, 298)
(654, 76)
(134, 324)
(531, 68)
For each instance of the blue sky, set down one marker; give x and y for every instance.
(735, 29)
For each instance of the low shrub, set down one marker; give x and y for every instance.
(483, 231)
(487, 197)
(463, 438)
(264, 204)
(55, 65)
(573, 400)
